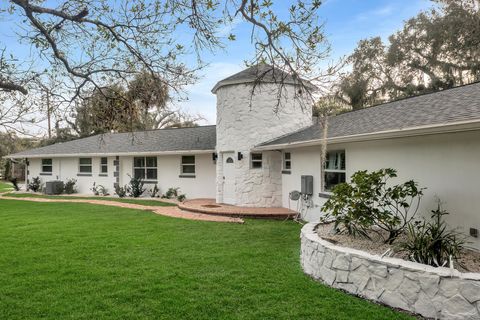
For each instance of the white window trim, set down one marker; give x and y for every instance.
(252, 161)
(325, 170)
(47, 165)
(85, 165)
(145, 168)
(284, 161)
(194, 165)
(103, 165)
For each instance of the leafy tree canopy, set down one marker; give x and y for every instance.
(436, 50)
(90, 44)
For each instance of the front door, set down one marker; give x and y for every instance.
(229, 178)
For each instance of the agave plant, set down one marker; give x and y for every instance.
(431, 242)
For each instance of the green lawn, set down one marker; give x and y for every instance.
(82, 261)
(5, 186)
(153, 203)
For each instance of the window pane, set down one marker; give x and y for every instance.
(86, 169)
(287, 155)
(332, 179)
(256, 156)
(229, 160)
(335, 160)
(85, 160)
(188, 159)
(46, 168)
(104, 160)
(103, 169)
(47, 162)
(139, 173)
(152, 162)
(288, 165)
(257, 164)
(188, 169)
(139, 162)
(151, 174)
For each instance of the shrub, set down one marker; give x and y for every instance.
(69, 186)
(171, 193)
(14, 182)
(35, 185)
(135, 189)
(368, 201)
(99, 190)
(181, 197)
(154, 192)
(120, 191)
(430, 242)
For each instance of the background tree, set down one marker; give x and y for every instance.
(106, 110)
(93, 43)
(436, 50)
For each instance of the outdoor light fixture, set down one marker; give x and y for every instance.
(240, 156)
(214, 156)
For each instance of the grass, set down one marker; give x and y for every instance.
(5, 186)
(153, 203)
(82, 261)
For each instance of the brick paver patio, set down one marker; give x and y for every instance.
(174, 212)
(209, 206)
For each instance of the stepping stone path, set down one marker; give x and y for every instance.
(174, 212)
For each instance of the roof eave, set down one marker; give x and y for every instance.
(387, 134)
(223, 83)
(107, 154)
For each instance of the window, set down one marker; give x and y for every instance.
(85, 165)
(334, 169)
(287, 161)
(145, 168)
(188, 165)
(47, 165)
(256, 160)
(103, 165)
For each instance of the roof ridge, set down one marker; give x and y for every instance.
(289, 133)
(151, 130)
(411, 97)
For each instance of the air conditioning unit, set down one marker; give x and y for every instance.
(53, 187)
(307, 185)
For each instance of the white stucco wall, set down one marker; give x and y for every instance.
(168, 172)
(202, 186)
(67, 168)
(244, 121)
(447, 164)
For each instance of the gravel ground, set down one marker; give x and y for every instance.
(469, 260)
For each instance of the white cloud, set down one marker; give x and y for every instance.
(375, 13)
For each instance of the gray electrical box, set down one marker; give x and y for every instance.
(53, 187)
(307, 185)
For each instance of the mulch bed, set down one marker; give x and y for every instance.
(469, 260)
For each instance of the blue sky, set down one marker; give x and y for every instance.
(346, 22)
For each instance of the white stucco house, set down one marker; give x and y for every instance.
(263, 143)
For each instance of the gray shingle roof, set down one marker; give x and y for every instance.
(262, 73)
(163, 140)
(444, 107)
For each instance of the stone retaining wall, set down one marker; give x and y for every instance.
(440, 293)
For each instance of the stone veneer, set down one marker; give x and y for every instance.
(244, 121)
(440, 293)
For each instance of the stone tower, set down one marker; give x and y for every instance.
(255, 106)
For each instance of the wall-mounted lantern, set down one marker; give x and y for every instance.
(240, 156)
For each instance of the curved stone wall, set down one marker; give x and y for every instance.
(439, 293)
